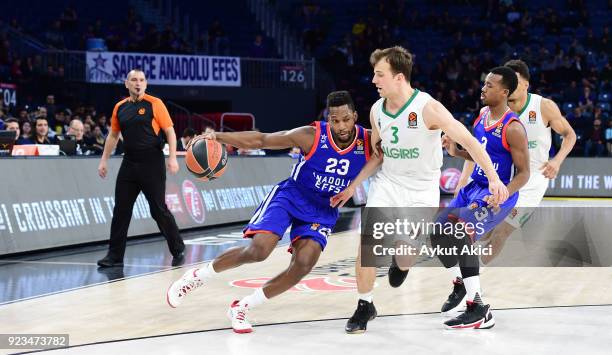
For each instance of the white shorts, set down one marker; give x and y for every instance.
(530, 197)
(386, 193)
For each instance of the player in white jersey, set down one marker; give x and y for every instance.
(539, 115)
(408, 124)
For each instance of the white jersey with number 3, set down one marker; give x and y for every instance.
(412, 152)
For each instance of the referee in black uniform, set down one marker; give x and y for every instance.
(140, 118)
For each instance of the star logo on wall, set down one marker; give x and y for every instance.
(99, 61)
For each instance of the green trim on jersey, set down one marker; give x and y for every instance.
(526, 104)
(414, 94)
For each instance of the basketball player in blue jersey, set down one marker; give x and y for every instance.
(503, 135)
(335, 152)
(540, 116)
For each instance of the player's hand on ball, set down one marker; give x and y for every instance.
(340, 199)
(498, 190)
(172, 166)
(209, 135)
(550, 169)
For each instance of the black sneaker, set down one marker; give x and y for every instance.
(396, 275)
(179, 259)
(456, 300)
(107, 261)
(476, 316)
(359, 321)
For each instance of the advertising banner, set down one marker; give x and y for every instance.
(51, 202)
(578, 177)
(164, 69)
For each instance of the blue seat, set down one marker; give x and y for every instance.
(605, 106)
(568, 107)
(604, 97)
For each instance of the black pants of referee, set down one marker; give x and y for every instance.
(146, 174)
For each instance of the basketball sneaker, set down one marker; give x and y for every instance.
(237, 314)
(396, 275)
(476, 316)
(455, 303)
(359, 321)
(182, 287)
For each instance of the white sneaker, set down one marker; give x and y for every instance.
(182, 287)
(237, 314)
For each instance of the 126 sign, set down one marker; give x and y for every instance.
(292, 73)
(8, 93)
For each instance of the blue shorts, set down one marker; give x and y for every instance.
(469, 207)
(286, 205)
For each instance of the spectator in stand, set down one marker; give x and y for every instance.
(26, 133)
(51, 107)
(577, 119)
(586, 99)
(572, 93)
(218, 41)
(99, 139)
(54, 35)
(595, 139)
(77, 129)
(41, 135)
(16, 73)
(608, 137)
(187, 136)
(11, 124)
(103, 124)
(69, 19)
(258, 48)
(59, 124)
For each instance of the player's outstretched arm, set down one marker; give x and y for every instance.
(437, 116)
(517, 141)
(376, 159)
(559, 124)
(368, 170)
(298, 137)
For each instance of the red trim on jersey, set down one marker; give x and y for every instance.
(503, 137)
(333, 144)
(315, 144)
(479, 117)
(251, 233)
(366, 144)
(494, 125)
(290, 249)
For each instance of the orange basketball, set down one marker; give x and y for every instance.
(206, 159)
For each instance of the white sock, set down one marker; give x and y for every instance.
(472, 288)
(255, 299)
(368, 297)
(456, 272)
(207, 272)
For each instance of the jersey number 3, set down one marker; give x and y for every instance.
(337, 167)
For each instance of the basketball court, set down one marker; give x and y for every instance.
(537, 310)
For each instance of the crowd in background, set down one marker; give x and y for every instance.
(569, 59)
(568, 54)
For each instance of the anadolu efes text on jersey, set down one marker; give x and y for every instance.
(493, 139)
(327, 170)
